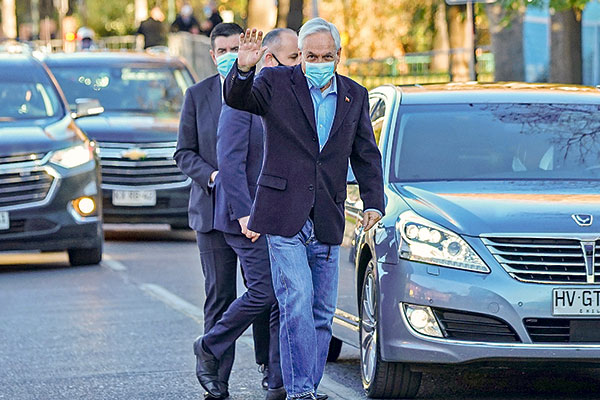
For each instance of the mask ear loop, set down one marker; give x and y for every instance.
(279, 63)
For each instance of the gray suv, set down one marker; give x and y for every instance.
(50, 197)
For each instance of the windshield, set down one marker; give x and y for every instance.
(22, 100)
(497, 142)
(144, 89)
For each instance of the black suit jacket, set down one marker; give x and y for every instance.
(296, 177)
(196, 153)
(239, 155)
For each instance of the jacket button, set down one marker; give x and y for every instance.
(311, 187)
(314, 139)
(319, 163)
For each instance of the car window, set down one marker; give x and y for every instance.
(28, 100)
(377, 117)
(497, 142)
(126, 88)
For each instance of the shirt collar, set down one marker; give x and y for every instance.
(331, 89)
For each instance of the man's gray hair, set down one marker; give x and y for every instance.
(319, 25)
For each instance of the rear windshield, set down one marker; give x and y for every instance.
(496, 142)
(126, 88)
(28, 100)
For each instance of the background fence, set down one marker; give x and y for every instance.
(411, 68)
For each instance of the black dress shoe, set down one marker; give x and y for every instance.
(276, 394)
(207, 371)
(321, 396)
(208, 396)
(264, 369)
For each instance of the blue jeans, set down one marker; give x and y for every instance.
(305, 277)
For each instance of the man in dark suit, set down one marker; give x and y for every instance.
(314, 121)
(196, 157)
(239, 155)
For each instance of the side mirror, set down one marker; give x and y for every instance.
(87, 107)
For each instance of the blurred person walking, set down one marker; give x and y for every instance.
(185, 21)
(213, 18)
(153, 29)
(314, 120)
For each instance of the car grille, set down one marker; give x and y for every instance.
(543, 260)
(8, 161)
(562, 330)
(460, 325)
(24, 187)
(140, 165)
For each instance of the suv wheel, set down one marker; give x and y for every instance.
(335, 348)
(86, 256)
(380, 379)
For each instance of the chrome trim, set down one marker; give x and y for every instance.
(347, 316)
(494, 344)
(584, 250)
(345, 324)
(49, 196)
(4, 167)
(589, 256)
(78, 218)
(162, 186)
(158, 155)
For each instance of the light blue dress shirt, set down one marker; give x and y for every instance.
(325, 104)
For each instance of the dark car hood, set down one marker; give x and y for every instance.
(21, 138)
(475, 208)
(131, 127)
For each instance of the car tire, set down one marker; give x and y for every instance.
(381, 379)
(86, 256)
(335, 348)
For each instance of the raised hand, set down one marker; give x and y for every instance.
(250, 50)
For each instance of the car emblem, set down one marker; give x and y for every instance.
(583, 219)
(134, 154)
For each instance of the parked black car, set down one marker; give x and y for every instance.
(142, 95)
(49, 170)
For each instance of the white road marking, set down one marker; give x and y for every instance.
(173, 301)
(327, 385)
(113, 264)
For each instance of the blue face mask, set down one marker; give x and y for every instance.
(319, 74)
(225, 62)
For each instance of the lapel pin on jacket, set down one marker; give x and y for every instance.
(347, 99)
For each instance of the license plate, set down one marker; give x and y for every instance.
(134, 198)
(576, 302)
(4, 221)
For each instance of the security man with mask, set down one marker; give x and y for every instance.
(196, 157)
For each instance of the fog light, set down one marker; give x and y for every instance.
(85, 206)
(422, 320)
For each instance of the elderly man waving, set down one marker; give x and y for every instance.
(314, 121)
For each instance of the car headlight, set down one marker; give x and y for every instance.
(72, 156)
(426, 242)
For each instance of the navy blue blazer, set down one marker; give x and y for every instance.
(296, 177)
(239, 156)
(196, 153)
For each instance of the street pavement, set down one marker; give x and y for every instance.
(124, 330)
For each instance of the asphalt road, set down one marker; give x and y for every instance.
(124, 330)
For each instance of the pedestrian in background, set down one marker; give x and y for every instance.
(314, 119)
(153, 29)
(185, 21)
(213, 18)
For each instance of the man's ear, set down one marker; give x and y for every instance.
(212, 55)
